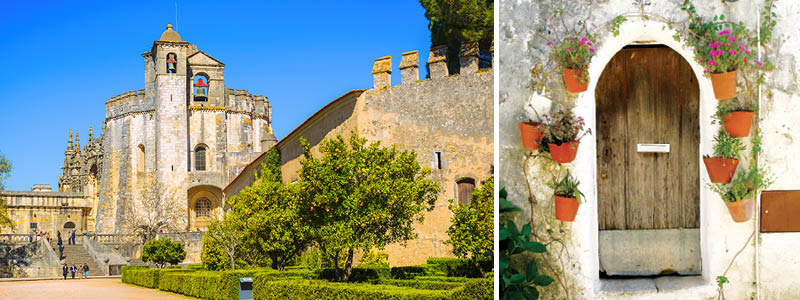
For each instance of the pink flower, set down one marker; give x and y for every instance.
(745, 60)
(701, 60)
(724, 32)
(589, 43)
(758, 62)
(712, 53)
(549, 43)
(719, 52)
(731, 38)
(711, 62)
(591, 49)
(727, 45)
(742, 47)
(705, 71)
(747, 51)
(732, 52)
(569, 49)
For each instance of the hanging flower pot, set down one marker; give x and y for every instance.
(566, 208)
(737, 123)
(571, 80)
(742, 210)
(720, 170)
(565, 152)
(531, 134)
(724, 85)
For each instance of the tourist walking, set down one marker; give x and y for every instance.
(72, 270)
(73, 237)
(85, 271)
(64, 271)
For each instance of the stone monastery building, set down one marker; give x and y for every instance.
(182, 137)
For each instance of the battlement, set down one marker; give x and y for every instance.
(437, 65)
(127, 102)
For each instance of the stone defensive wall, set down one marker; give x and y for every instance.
(237, 102)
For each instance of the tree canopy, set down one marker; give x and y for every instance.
(452, 22)
(360, 196)
(472, 225)
(163, 251)
(5, 170)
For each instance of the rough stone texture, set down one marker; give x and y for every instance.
(451, 114)
(677, 283)
(650, 252)
(35, 259)
(50, 211)
(521, 50)
(629, 286)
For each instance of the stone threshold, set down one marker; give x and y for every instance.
(650, 285)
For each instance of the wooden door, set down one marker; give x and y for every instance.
(648, 95)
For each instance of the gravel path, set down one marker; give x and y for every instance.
(84, 289)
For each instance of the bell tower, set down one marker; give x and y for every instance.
(169, 83)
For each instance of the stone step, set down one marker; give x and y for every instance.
(77, 254)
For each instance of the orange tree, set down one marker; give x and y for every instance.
(360, 196)
(268, 214)
(472, 226)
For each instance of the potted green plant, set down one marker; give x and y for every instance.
(739, 193)
(562, 133)
(531, 132)
(721, 167)
(572, 54)
(567, 197)
(736, 117)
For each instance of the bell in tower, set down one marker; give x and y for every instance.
(200, 93)
(171, 63)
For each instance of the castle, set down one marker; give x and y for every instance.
(180, 138)
(188, 140)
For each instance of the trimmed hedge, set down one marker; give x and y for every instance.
(460, 267)
(141, 276)
(423, 284)
(445, 278)
(358, 274)
(322, 290)
(475, 289)
(408, 272)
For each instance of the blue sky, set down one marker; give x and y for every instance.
(61, 60)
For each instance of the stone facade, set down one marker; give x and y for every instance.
(178, 138)
(41, 210)
(446, 120)
(759, 271)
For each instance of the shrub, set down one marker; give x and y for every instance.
(459, 267)
(322, 290)
(474, 289)
(358, 274)
(408, 272)
(141, 276)
(472, 225)
(444, 278)
(195, 267)
(213, 257)
(423, 284)
(162, 251)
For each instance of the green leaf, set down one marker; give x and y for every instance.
(503, 234)
(504, 263)
(516, 295)
(531, 293)
(517, 279)
(543, 280)
(526, 230)
(535, 247)
(532, 271)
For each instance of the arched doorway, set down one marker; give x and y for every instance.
(205, 202)
(648, 188)
(69, 226)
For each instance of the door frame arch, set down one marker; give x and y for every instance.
(586, 228)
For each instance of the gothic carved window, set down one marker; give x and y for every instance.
(200, 158)
(172, 63)
(465, 188)
(202, 208)
(200, 87)
(140, 165)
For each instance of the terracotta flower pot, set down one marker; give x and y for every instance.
(566, 208)
(720, 170)
(742, 210)
(530, 133)
(571, 81)
(564, 153)
(724, 85)
(737, 123)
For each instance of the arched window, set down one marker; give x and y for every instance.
(200, 87)
(200, 158)
(69, 225)
(465, 188)
(140, 165)
(172, 63)
(202, 208)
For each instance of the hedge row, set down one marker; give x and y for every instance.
(460, 267)
(423, 284)
(359, 274)
(323, 290)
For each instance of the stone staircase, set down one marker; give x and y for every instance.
(77, 254)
